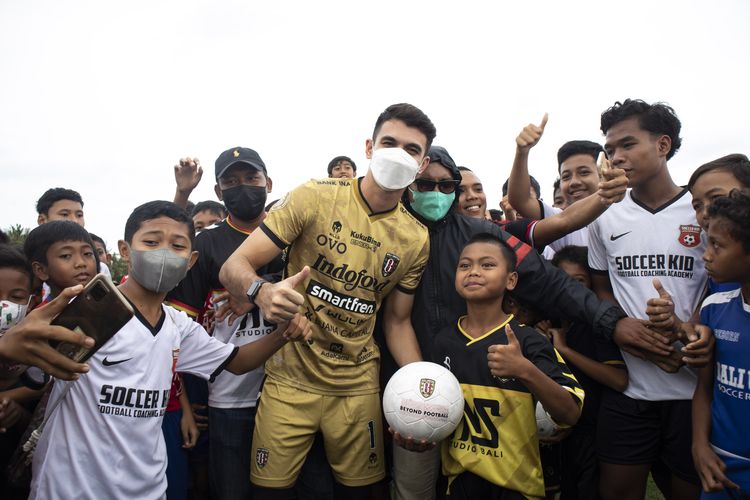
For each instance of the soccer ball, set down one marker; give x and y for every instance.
(424, 401)
(689, 240)
(545, 426)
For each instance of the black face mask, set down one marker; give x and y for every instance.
(245, 202)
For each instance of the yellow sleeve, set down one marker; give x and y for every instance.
(410, 281)
(287, 218)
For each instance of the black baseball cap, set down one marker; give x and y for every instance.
(239, 155)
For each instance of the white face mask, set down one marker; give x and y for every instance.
(392, 168)
(11, 314)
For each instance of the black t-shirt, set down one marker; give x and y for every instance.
(580, 339)
(214, 246)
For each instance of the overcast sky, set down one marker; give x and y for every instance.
(104, 97)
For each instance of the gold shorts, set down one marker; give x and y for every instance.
(285, 426)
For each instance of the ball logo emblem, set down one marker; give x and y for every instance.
(690, 235)
(426, 387)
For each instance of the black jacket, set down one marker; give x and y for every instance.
(541, 286)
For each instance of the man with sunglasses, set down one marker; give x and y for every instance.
(437, 304)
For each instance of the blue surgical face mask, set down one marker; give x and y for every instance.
(432, 205)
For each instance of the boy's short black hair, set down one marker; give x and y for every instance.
(556, 185)
(735, 209)
(52, 196)
(571, 148)
(575, 254)
(212, 206)
(736, 164)
(96, 238)
(333, 163)
(412, 116)
(12, 257)
(153, 210)
(534, 185)
(42, 237)
(508, 254)
(657, 119)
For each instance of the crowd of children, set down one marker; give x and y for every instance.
(262, 333)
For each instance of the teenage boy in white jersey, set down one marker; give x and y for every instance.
(651, 233)
(104, 440)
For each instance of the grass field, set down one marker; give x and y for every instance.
(652, 492)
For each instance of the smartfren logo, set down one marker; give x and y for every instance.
(340, 300)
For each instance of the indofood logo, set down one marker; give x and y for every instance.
(350, 278)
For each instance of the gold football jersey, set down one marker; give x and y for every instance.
(356, 258)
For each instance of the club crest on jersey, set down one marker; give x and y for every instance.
(426, 387)
(390, 263)
(690, 235)
(261, 457)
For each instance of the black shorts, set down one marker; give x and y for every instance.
(468, 486)
(551, 466)
(638, 432)
(579, 465)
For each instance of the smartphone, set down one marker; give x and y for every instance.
(99, 312)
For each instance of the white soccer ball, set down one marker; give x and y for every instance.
(545, 426)
(424, 401)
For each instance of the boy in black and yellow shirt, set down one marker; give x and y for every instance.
(504, 368)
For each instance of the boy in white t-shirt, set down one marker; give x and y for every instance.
(651, 233)
(579, 179)
(104, 440)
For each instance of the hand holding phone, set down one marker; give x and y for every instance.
(99, 312)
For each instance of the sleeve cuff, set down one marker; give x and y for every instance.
(223, 365)
(276, 240)
(408, 291)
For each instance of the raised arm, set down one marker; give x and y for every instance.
(253, 355)
(583, 212)
(508, 361)
(187, 175)
(519, 184)
(277, 301)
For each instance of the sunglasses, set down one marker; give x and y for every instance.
(446, 186)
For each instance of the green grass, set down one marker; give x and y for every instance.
(652, 492)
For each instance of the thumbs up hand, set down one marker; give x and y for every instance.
(280, 301)
(507, 361)
(530, 135)
(660, 310)
(614, 183)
